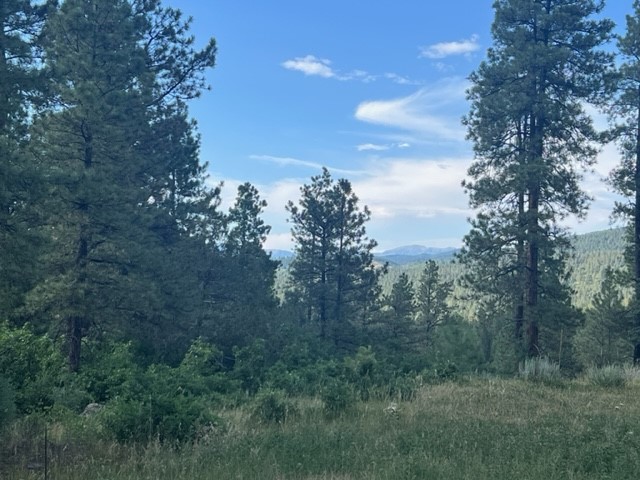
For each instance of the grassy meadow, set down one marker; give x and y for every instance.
(479, 428)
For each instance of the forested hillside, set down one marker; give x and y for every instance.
(591, 255)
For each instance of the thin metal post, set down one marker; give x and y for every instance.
(46, 456)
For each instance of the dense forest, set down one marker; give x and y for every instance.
(125, 285)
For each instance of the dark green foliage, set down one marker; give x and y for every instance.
(250, 365)
(171, 404)
(337, 397)
(272, 406)
(21, 183)
(396, 326)
(244, 298)
(121, 161)
(7, 403)
(531, 140)
(333, 273)
(32, 365)
(624, 111)
(605, 337)
(456, 342)
(163, 415)
(432, 296)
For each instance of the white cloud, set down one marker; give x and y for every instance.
(446, 49)
(399, 79)
(279, 241)
(372, 146)
(411, 199)
(288, 161)
(418, 188)
(428, 111)
(311, 65)
(321, 67)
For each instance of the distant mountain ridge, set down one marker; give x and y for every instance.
(399, 255)
(415, 253)
(280, 254)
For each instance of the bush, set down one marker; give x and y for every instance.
(337, 397)
(609, 376)
(110, 371)
(167, 418)
(405, 388)
(540, 369)
(250, 365)
(272, 406)
(7, 403)
(32, 364)
(170, 404)
(361, 370)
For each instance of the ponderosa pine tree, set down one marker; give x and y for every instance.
(244, 298)
(398, 317)
(432, 296)
(21, 83)
(333, 269)
(604, 338)
(119, 70)
(625, 179)
(531, 140)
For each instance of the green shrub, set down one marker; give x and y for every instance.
(337, 397)
(173, 418)
(405, 388)
(361, 370)
(289, 380)
(609, 376)
(168, 404)
(540, 369)
(250, 365)
(32, 364)
(272, 406)
(446, 371)
(110, 371)
(7, 403)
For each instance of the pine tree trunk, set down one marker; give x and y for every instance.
(636, 246)
(521, 266)
(74, 333)
(533, 273)
(77, 321)
(4, 89)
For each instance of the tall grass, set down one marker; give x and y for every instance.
(482, 429)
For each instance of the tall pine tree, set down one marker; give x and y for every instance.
(120, 70)
(625, 110)
(21, 88)
(531, 139)
(333, 269)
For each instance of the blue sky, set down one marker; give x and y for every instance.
(374, 91)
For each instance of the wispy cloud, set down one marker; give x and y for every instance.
(372, 146)
(376, 147)
(399, 79)
(289, 161)
(428, 111)
(311, 65)
(447, 49)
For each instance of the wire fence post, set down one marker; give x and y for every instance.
(46, 456)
